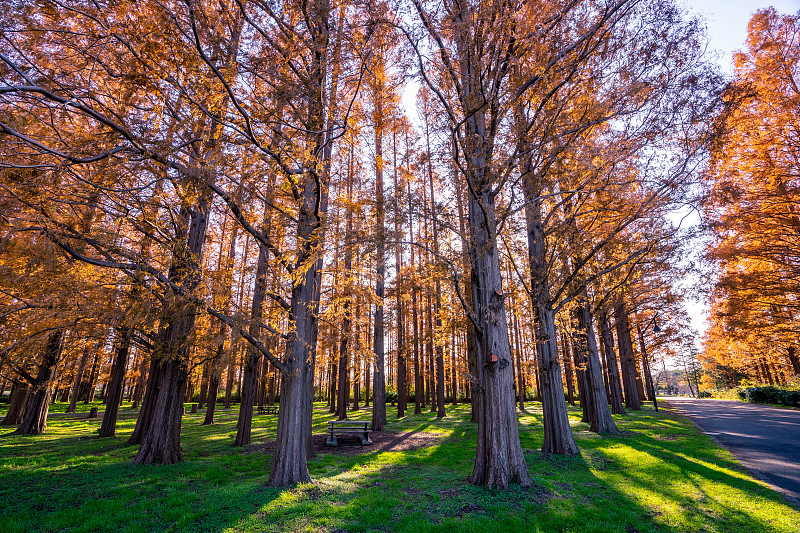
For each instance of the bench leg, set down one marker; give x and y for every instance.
(331, 441)
(365, 439)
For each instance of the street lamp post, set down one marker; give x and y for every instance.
(656, 329)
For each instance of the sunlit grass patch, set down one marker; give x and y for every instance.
(660, 474)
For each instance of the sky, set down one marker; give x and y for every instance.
(726, 21)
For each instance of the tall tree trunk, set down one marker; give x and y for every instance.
(233, 354)
(402, 392)
(648, 379)
(521, 379)
(499, 459)
(161, 437)
(357, 359)
(431, 389)
(614, 383)
(109, 426)
(343, 400)
(253, 356)
(148, 404)
(568, 372)
(297, 386)
(138, 392)
(213, 391)
(453, 365)
(579, 362)
(558, 437)
(471, 340)
(334, 383)
(20, 391)
(791, 353)
(632, 399)
(203, 386)
(271, 390)
(91, 383)
(439, 363)
(379, 383)
(294, 417)
(34, 418)
(76, 386)
(600, 415)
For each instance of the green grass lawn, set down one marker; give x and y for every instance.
(660, 475)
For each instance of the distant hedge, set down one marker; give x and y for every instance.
(772, 395)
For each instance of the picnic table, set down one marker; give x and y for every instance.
(358, 428)
(268, 409)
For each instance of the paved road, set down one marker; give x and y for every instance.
(765, 439)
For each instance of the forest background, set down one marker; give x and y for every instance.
(207, 197)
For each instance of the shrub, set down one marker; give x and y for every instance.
(773, 395)
(742, 394)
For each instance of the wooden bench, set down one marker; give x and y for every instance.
(359, 428)
(268, 410)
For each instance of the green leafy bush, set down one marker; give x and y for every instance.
(773, 395)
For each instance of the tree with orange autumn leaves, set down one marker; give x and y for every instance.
(241, 180)
(753, 183)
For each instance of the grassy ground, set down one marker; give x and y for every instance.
(660, 475)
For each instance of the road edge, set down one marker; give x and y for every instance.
(755, 472)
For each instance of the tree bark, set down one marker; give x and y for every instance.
(203, 386)
(160, 438)
(498, 460)
(402, 393)
(568, 369)
(148, 404)
(521, 379)
(791, 353)
(20, 390)
(91, 383)
(294, 417)
(379, 376)
(439, 362)
(334, 382)
(648, 379)
(138, 392)
(76, 386)
(614, 383)
(632, 398)
(34, 418)
(252, 355)
(114, 394)
(161, 442)
(579, 362)
(558, 437)
(600, 414)
(343, 401)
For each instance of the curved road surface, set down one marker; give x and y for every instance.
(765, 439)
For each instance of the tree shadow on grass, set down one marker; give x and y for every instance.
(80, 484)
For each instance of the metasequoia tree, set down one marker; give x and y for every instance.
(752, 206)
(584, 181)
(178, 160)
(474, 42)
(208, 37)
(560, 95)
